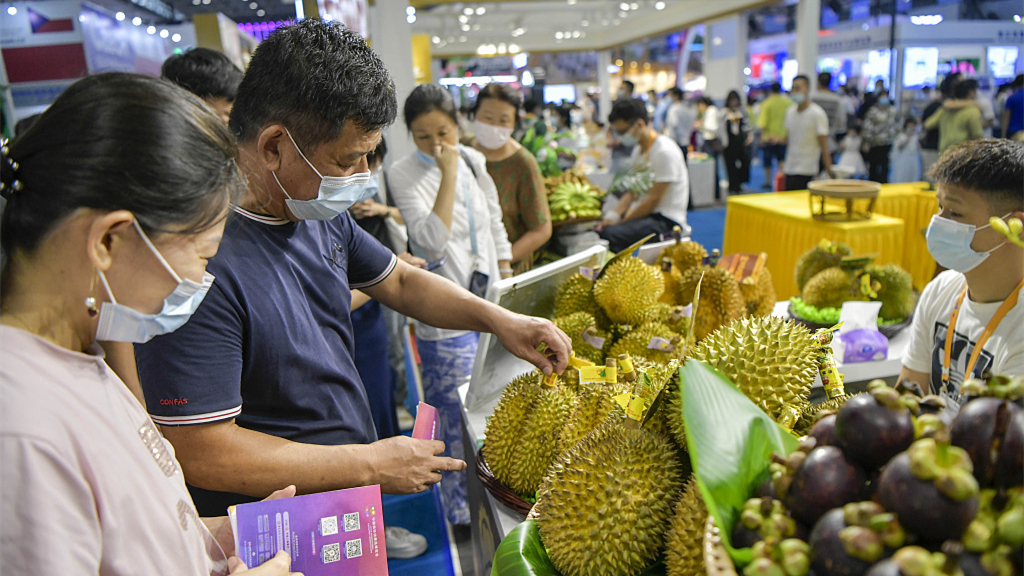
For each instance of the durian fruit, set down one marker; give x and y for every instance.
(575, 325)
(604, 508)
(672, 278)
(522, 434)
(721, 301)
(770, 359)
(830, 288)
(759, 295)
(896, 291)
(637, 343)
(575, 295)
(684, 255)
(684, 545)
(810, 414)
(627, 289)
(596, 401)
(825, 255)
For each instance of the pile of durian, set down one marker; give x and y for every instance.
(829, 274)
(639, 309)
(614, 494)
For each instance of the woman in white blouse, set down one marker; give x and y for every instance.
(451, 209)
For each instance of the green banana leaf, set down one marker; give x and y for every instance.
(521, 553)
(730, 441)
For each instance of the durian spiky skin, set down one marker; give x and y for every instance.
(684, 544)
(574, 326)
(809, 415)
(770, 359)
(896, 292)
(636, 343)
(522, 434)
(830, 288)
(575, 295)
(815, 260)
(759, 296)
(595, 403)
(684, 255)
(603, 509)
(720, 299)
(672, 278)
(627, 289)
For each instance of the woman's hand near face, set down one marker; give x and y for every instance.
(447, 157)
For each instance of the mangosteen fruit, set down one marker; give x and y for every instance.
(990, 426)
(815, 482)
(760, 519)
(771, 557)
(841, 542)
(824, 431)
(874, 427)
(931, 489)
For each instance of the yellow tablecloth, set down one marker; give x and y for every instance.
(915, 205)
(780, 225)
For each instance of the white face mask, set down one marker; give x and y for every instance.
(949, 242)
(335, 195)
(490, 136)
(119, 323)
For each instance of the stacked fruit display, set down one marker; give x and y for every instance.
(643, 310)
(884, 488)
(572, 200)
(828, 275)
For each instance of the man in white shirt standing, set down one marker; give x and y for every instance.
(680, 120)
(807, 138)
(662, 207)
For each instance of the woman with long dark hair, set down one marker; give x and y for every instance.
(115, 200)
(736, 125)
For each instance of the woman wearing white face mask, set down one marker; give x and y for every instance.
(452, 213)
(106, 237)
(516, 175)
(969, 322)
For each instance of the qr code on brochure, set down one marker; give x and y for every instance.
(351, 521)
(353, 549)
(329, 526)
(331, 553)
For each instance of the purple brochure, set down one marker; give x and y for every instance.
(338, 533)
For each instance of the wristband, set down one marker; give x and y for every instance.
(504, 270)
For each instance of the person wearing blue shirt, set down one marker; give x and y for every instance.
(260, 389)
(1013, 112)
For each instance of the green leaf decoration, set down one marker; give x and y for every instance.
(730, 441)
(521, 553)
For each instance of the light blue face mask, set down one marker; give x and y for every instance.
(372, 185)
(426, 158)
(335, 195)
(120, 323)
(626, 139)
(949, 242)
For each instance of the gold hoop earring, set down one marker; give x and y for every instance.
(90, 301)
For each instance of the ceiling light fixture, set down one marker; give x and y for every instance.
(659, 5)
(261, 12)
(119, 16)
(151, 30)
(481, 11)
(176, 38)
(164, 33)
(136, 21)
(467, 11)
(12, 10)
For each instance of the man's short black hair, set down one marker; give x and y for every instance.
(313, 77)
(824, 79)
(676, 91)
(802, 77)
(531, 105)
(994, 168)
(776, 88)
(630, 84)
(628, 109)
(203, 72)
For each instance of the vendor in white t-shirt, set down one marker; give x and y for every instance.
(664, 206)
(980, 293)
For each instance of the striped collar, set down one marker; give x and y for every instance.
(261, 218)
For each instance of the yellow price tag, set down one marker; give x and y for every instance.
(622, 399)
(579, 362)
(635, 408)
(550, 380)
(592, 374)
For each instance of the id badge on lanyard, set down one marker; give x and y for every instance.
(478, 281)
